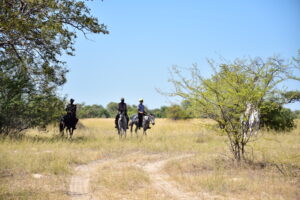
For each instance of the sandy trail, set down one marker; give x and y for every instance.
(80, 189)
(80, 182)
(160, 180)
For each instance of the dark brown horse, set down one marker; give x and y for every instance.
(68, 122)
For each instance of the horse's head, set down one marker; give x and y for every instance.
(122, 116)
(152, 119)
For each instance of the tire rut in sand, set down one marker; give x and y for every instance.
(80, 189)
(160, 182)
(80, 182)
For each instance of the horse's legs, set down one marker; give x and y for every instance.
(62, 132)
(67, 132)
(136, 129)
(120, 133)
(71, 132)
(61, 129)
(131, 125)
(125, 130)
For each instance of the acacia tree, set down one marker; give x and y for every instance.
(233, 94)
(33, 36)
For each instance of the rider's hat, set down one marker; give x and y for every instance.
(71, 99)
(141, 100)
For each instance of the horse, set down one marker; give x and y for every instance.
(67, 122)
(147, 119)
(122, 125)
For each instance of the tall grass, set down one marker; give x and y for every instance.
(272, 173)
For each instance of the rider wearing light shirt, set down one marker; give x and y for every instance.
(141, 112)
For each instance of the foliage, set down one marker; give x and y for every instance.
(112, 109)
(21, 105)
(176, 112)
(92, 111)
(33, 37)
(42, 30)
(276, 117)
(132, 109)
(291, 96)
(233, 87)
(158, 113)
(297, 114)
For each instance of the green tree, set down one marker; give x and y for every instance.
(132, 110)
(233, 93)
(33, 36)
(112, 109)
(291, 96)
(176, 112)
(92, 111)
(297, 114)
(160, 112)
(163, 111)
(275, 117)
(156, 112)
(189, 110)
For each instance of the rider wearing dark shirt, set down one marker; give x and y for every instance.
(71, 108)
(122, 108)
(71, 111)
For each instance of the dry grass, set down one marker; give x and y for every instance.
(273, 172)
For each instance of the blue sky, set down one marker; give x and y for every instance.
(148, 37)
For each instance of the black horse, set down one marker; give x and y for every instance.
(67, 122)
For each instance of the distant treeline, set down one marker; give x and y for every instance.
(272, 115)
(175, 111)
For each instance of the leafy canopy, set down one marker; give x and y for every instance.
(34, 34)
(228, 93)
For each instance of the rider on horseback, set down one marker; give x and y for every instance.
(122, 108)
(141, 113)
(71, 111)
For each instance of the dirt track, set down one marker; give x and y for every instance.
(80, 182)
